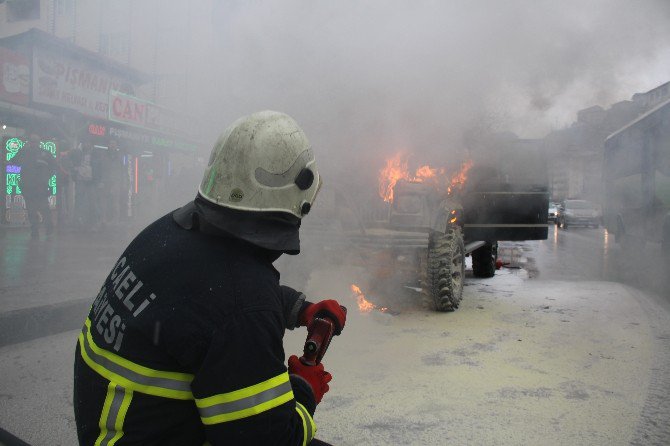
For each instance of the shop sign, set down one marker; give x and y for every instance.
(131, 110)
(148, 141)
(97, 129)
(15, 213)
(73, 84)
(15, 77)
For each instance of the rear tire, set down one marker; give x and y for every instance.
(484, 260)
(443, 289)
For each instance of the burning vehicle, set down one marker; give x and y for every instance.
(433, 219)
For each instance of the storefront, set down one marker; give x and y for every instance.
(148, 158)
(15, 214)
(76, 98)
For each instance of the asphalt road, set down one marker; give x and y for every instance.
(556, 352)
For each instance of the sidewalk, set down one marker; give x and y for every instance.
(36, 393)
(47, 285)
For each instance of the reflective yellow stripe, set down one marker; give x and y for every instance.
(121, 417)
(219, 408)
(245, 402)
(304, 425)
(142, 370)
(114, 411)
(133, 376)
(105, 413)
(308, 425)
(243, 393)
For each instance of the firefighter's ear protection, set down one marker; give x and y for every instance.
(304, 179)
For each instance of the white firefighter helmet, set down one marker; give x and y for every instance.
(262, 162)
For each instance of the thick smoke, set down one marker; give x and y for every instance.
(367, 79)
(372, 76)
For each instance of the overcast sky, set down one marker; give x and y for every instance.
(414, 75)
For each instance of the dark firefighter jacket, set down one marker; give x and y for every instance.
(183, 346)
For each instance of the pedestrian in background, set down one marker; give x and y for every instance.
(37, 167)
(115, 178)
(65, 184)
(99, 192)
(84, 192)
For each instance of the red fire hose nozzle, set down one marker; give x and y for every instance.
(319, 334)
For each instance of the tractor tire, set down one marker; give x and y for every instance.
(484, 260)
(443, 288)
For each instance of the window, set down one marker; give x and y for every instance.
(19, 10)
(64, 7)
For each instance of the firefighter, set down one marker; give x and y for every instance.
(183, 344)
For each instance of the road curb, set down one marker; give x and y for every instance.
(36, 322)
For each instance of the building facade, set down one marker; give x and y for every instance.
(575, 153)
(71, 96)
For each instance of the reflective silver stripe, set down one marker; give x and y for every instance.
(114, 409)
(309, 434)
(245, 403)
(292, 320)
(113, 415)
(130, 375)
(508, 193)
(511, 225)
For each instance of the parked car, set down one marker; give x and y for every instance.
(553, 211)
(578, 213)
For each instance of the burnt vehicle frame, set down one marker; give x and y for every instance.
(426, 235)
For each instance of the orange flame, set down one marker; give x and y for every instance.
(425, 172)
(364, 305)
(459, 179)
(395, 169)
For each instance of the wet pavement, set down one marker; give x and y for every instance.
(553, 353)
(587, 254)
(61, 268)
(46, 285)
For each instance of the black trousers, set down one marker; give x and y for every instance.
(35, 204)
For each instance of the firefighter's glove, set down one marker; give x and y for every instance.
(315, 375)
(325, 309)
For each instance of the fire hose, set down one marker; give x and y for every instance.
(319, 334)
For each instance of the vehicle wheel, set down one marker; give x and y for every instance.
(443, 288)
(484, 260)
